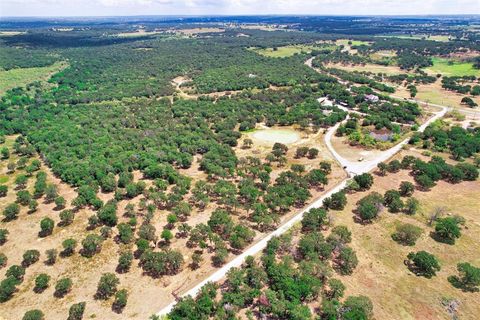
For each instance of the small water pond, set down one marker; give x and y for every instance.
(285, 136)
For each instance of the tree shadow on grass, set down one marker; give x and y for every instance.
(435, 236)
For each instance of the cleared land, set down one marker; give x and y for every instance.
(10, 33)
(434, 93)
(138, 33)
(22, 76)
(381, 274)
(347, 42)
(449, 67)
(440, 38)
(146, 294)
(285, 51)
(194, 31)
(369, 67)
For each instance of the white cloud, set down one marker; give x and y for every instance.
(177, 7)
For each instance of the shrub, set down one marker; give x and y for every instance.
(63, 287)
(105, 232)
(423, 263)
(3, 190)
(76, 311)
(167, 235)
(17, 272)
(125, 261)
(365, 181)
(340, 235)
(3, 260)
(120, 300)
(406, 189)
(32, 206)
(447, 230)
(220, 256)
(346, 261)
(241, 237)
(51, 256)
(469, 279)
(46, 227)
(11, 212)
(33, 315)
(157, 264)
(337, 201)
(125, 233)
(394, 166)
(3, 236)
(23, 197)
(407, 234)
(370, 206)
(107, 286)
(392, 200)
(326, 167)
(357, 307)
(469, 170)
(108, 214)
(411, 206)
(21, 181)
(41, 282)
(425, 182)
(66, 217)
(60, 202)
(314, 220)
(7, 288)
(91, 245)
(50, 192)
(336, 289)
(69, 246)
(30, 257)
(312, 153)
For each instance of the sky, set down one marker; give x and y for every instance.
(234, 7)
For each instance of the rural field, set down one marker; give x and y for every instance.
(215, 166)
(381, 259)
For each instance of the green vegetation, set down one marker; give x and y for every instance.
(21, 77)
(423, 263)
(450, 67)
(284, 51)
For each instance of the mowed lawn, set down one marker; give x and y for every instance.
(449, 67)
(20, 77)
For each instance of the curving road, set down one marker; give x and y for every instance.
(351, 167)
(355, 167)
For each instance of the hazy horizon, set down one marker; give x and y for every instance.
(125, 8)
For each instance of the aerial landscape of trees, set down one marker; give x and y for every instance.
(118, 182)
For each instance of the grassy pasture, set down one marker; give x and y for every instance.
(396, 293)
(20, 77)
(449, 67)
(440, 38)
(345, 42)
(369, 67)
(283, 52)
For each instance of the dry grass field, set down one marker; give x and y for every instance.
(396, 293)
(369, 67)
(146, 295)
